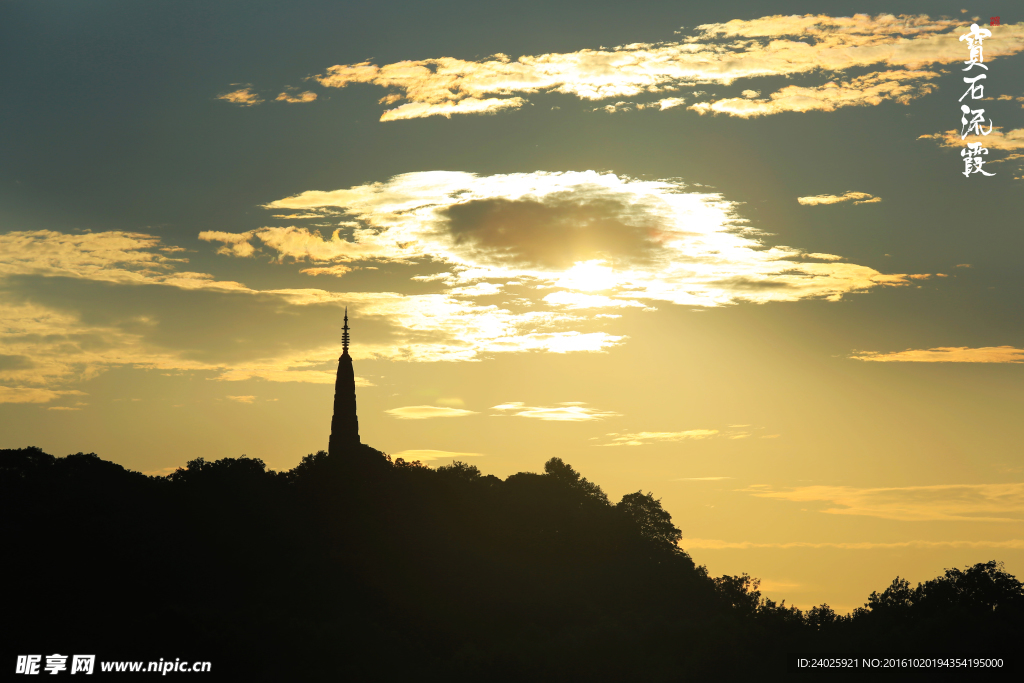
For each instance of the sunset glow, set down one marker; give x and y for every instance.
(723, 254)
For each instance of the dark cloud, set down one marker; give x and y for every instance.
(557, 231)
(741, 283)
(15, 362)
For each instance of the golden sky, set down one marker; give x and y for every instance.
(731, 259)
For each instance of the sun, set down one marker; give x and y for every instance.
(589, 276)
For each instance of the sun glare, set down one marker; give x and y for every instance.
(589, 276)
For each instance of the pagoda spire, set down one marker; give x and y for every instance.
(345, 423)
(344, 335)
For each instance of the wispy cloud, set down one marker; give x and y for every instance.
(951, 502)
(336, 270)
(296, 97)
(700, 479)
(716, 544)
(114, 256)
(855, 197)
(427, 454)
(242, 399)
(998, 139)
(571, 411)
(33, 394)
(947, 354)
(668, 103)
(715, 54)
(161, 472)
(644, 438)
(900, 85)
(244, 96)
(427, 412)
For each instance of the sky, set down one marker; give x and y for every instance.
(727, 254)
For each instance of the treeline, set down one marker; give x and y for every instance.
(356, 565)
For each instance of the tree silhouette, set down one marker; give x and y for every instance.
(398, 570)
(649, 519)
(565, 474)
(895, 601)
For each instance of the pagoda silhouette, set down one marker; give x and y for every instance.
(345, 423)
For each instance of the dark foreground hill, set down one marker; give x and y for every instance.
(354, 567)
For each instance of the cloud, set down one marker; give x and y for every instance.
(558, 230)
(242, 399)
(644, 438)
(716, 544)
(244, 97)
(570, 411)
(59, 329)
(952, 502)
(301, 244)
(33, 394)
(667, 103)
(70, 313)
(701, 479)
(1010, 140)
(337, 270)
(479, 289)
(114, 256)
(234, 244)
(617, 107)
(577, 300)
(596, 242)
(12, 362)
(427, 412)
(426, 455)
(307, 96)
(871, 89)
(162, 472)
(584, 231)
(468, 105)
(947, 354)
(997, 141)
(855, 197)
(721, 53)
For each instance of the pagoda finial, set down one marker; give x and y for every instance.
(344, 334)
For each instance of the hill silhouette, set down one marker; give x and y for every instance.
(353, 565)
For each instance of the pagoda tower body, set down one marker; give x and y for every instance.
(344, 424)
